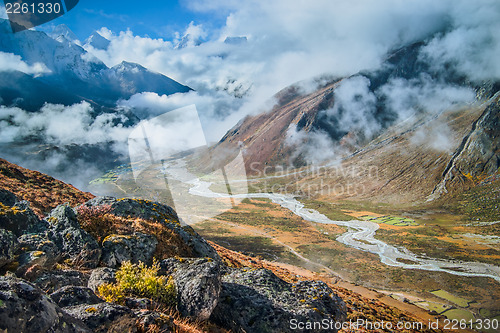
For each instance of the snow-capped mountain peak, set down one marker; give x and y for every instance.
(63, 30)
(73, 70)
(97, 41)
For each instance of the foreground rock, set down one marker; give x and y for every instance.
(198, 285)
(8, 246)
(196, 245)
(73, 295)
(25, 308)
(105, 317)
(74, 242)
(135, 248)
(17, 216)
(259, 301)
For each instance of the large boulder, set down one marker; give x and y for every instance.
(7, 198)
(258, 301)
(198, 285)
(134, 248)
(53, 280)
(75, 243)
(25, 308)
(18, 218)
(101, 276)
(157, 212)
(105, 317)
(136, 208)
(38, 242)
(38, 251)
(74, 295)
(8, 247)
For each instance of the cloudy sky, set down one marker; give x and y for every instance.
(287, 41)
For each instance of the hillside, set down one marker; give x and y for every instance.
(399, 134)
(105, 233)
(43, 192)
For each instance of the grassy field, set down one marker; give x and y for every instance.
(460, 301)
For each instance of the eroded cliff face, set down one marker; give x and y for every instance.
(477, 159)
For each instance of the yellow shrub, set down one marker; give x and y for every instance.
(140, 281)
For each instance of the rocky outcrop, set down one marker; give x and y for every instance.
(73, 295)
(25, 308)
(198, 285)
(135, 248)
(477, 158)
(100, 276)
(259, 301)
(74, 242)
(163, 214)
(136, 208)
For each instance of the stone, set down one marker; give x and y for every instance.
(75, 243)
(135, 248)
(152, 321)
(258, 301)
(197, 284)
(101, 276)
(31, 264)
(51, 281)
(8, 247)
(7, 198)
(136, 208)
(25, 308)
(19, 218)
(74, 295)
(140, 303)
(105, 317)
(39, 242)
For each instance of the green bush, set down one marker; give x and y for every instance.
(140, 281)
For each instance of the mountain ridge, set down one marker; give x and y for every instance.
(75, 71)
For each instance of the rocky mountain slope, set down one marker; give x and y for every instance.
(404, 132)
(404, 166)
(110, 265)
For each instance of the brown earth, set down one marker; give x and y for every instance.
(43, 192)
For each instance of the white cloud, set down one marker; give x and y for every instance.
(217, 111)
(408, 97)
(12, 62)
(61, 125)
(289, 41)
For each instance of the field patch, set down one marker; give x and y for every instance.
(460, 301)
(390, 220)
(459, 314)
